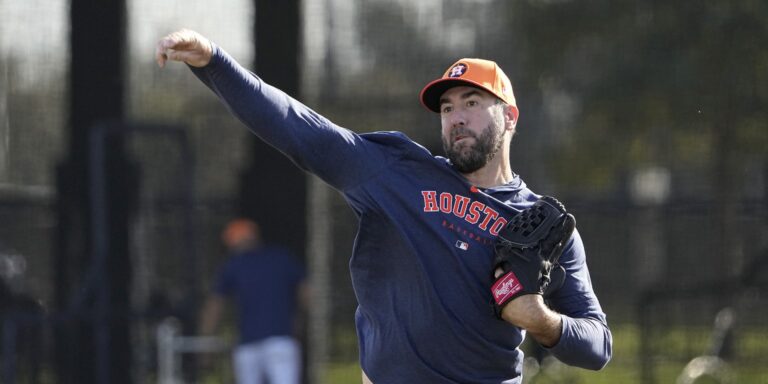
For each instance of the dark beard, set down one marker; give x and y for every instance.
(468, 160)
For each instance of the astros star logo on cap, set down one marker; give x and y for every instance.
(458, 70)
(478, 73)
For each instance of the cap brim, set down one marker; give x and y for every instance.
(430, 95)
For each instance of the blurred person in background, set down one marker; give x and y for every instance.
(266, 286)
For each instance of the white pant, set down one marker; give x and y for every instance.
(277, 359)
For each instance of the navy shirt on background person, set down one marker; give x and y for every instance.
(266, 286)
(263, 284)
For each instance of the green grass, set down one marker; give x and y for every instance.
(624, 368)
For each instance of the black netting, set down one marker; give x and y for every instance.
(645, 118)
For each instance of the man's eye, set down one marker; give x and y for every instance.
(446, 109)
(471, 103)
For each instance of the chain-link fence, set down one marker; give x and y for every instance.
(646, 118)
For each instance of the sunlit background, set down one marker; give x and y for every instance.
(648, 119)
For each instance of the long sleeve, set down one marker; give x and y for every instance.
(586, 340)
(585, 343)
(339, 156)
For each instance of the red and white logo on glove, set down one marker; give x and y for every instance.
(505, 288)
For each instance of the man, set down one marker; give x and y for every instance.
(424, 250)
(266, 284)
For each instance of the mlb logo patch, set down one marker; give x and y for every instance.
(457, 70)
(462, 245)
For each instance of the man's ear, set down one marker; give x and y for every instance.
(511, 114)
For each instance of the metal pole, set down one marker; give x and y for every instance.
(319, 249)
(9, 349)
(166, 332)
(100, 245)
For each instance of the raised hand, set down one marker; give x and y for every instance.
(186, 46)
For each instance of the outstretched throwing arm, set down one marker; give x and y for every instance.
(186, 46)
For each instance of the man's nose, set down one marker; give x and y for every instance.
(458, 118)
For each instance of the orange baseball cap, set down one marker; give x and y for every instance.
(483, 74)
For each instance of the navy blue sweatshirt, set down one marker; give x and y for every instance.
(423, 253)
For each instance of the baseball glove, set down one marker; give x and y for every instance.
(527, 251)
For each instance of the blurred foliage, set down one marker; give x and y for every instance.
(676, 84)
(605, 88)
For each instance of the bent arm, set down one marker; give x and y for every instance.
(585, 338)
(532, 314)
(580, 342)
(584, 342)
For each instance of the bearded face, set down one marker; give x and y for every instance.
(469, 155)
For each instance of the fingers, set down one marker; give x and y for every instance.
(175, 55)
(185, 46)
(162, 47)
(165, 46)
(160, 56)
